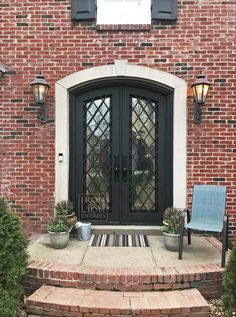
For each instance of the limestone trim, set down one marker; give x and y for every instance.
(118, 69)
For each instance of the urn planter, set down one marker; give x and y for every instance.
(72, 219)
(59, 240)
(171, 241)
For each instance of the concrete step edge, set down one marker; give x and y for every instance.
(129, 229)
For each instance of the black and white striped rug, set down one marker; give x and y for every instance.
(118, 240)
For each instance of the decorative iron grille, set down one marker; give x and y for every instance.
(143, 156)
(97, 160)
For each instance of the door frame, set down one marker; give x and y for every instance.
(121, 70)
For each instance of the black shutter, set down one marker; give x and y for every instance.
(164, 9)
(83, 10)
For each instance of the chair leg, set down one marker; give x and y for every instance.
(189, 231)
(181, 239)
(227, 234)
(188, 216)
(189, 236)
(224, 242)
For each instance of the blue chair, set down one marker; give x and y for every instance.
(207, 214)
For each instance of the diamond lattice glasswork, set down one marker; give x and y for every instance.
(98, 147)
(143, 154)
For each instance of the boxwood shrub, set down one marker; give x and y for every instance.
(13, 260)
(229, 281)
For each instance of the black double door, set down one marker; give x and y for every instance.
(121, 149)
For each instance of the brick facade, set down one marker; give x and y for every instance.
(38, 35)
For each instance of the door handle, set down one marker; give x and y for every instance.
(116, 167)
(124, 168)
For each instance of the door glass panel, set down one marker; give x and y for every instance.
(97, 148)
(143, 155)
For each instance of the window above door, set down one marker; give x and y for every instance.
(123, 11)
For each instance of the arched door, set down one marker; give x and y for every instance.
(121, 154)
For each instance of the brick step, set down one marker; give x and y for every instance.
(71, 302)
(206, 278)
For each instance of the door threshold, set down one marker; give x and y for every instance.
(127, 229)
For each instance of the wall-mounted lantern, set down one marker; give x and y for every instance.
(200, 89)
(4, 70)
(40, 90)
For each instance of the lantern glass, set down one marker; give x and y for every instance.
(40, 92)
(40, 88)
(200, 89)
(200, 93)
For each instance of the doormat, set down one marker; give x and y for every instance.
(118, 240)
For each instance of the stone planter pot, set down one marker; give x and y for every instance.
(72, 218)
(171, 241)
(59, 240)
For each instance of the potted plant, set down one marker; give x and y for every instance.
(172, 220)
(65, 208)
(59, 230)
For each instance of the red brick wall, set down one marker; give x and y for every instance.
(38, 35)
